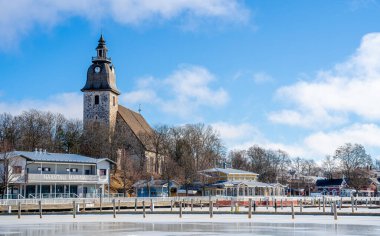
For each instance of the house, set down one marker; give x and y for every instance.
(341, 187)
(334, 187)
(41, 174)
(370, 189)
(155, 188)
(234, 182)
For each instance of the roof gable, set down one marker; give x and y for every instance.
(137, 124)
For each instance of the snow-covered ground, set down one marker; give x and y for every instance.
(172, 218)
(189, 224)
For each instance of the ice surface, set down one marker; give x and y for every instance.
(190, 224)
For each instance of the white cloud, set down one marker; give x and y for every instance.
(325, 143)
(316, 119)
(316, 145)
(351, 87)
(191, 84)
(18, 18)
(181, 93)
(258, 77)
(234, 134)
(68, 104)
(340, 104)
(244, 135)
(262, 77)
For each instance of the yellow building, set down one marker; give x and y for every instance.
(237, 183)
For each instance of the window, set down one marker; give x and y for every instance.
(68, 169)
(43, 169)
(74, 169)
(17, 169)
(102, 172)
(114, 100)
(96, 99)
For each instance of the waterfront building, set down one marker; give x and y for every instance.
(40, 174)
(238, 183)
(155, 188)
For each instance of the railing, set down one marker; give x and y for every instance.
(56, 195)
(109, 199)
(101, 58)
(11, 196)
(61, 177)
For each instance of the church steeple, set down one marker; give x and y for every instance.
(101, 74)
(100, 94)
(102, 50)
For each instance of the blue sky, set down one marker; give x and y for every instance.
(303, 76)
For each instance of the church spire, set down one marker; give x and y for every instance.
(101, 40)
(102, 50)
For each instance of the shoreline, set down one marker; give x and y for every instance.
(107, 212)
(12, 220)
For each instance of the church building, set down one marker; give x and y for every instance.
(101, 104)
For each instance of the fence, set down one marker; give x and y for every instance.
(108, 198)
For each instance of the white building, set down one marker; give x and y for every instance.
(42, 174)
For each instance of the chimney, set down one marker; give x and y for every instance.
(45, 151)
(36, 150)
(40, 150)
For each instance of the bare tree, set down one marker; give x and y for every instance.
(352, 157)
(72, 133)
(354, 163)
(9, 129)
(329, 167)
(238, 159)
(170, 171)
(9, 171)
(283, 169)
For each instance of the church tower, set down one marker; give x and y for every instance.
(100, 94)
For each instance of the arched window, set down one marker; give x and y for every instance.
(96, 99)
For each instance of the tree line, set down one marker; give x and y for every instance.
(349, 161)
(180, 152)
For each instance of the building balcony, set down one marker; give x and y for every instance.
(37, 178)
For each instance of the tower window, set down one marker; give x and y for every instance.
(114, 100)
(96, 99)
